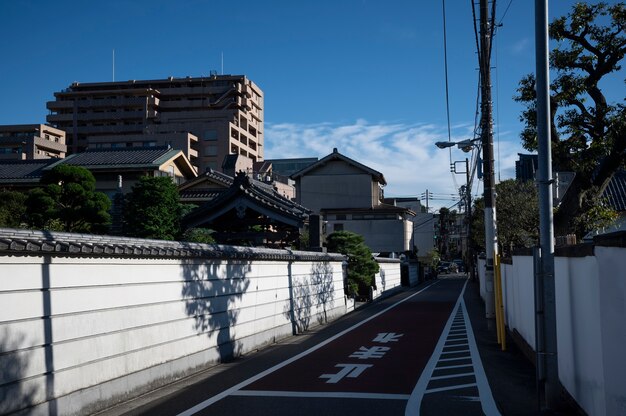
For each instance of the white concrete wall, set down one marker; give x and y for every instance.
(611, 263)
(92, 329)
(414, 273)
(380, 235)
(388, 278)
(591, 310)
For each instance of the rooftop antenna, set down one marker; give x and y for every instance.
(113, 65)
(222, 63)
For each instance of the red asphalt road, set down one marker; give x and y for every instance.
(397, 363)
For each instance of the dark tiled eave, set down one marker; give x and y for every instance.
(15, 242)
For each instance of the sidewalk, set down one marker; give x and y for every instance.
(511, 375)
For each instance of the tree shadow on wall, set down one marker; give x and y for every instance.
(315, 290)
(212, 291)
(298, 310)
(15, 392)
(324, 288)
(383, 279)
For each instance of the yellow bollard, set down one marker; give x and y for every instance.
(499, 305)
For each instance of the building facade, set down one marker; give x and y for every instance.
(348, 195)
(31, 141)
(206, 117)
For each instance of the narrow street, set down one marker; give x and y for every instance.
(414, 353)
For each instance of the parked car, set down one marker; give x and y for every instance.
(444, 267)
(460, 265)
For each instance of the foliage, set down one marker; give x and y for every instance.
(199, 235)
(517, 216)
(361, 266)
(433, 258)
(597, 217)
(588, 134)
(153, 209)
(12, 208)
(68, 201)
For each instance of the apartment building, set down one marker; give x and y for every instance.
(206, 117)
(31, 141)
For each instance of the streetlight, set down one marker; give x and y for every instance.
(491, 239)
(465, 145)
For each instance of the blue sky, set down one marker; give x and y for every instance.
(365, 76)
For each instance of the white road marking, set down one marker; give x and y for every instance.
(322, 395)
(448, 388)
(452, 376)
(347, 370)
(486, 398)
(208, 402)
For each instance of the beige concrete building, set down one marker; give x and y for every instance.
(348, 195)
(206, 117)
(31, 141)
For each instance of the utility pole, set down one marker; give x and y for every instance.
(547, 363)
(491, 242)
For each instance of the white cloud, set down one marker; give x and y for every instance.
(404, 153)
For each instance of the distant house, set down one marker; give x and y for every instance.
(205, 187)
(423, 224)
(119, 169)
(348, 195)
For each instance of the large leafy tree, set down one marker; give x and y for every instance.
(588, 133)
(68, 201)
(361, 266)
(517, 216)
(153, 209)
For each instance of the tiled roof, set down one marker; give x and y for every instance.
(200, 194)
(208, 176)
(255, 191)
(135, 157)
(615, 191)
(334, 156)
(38, 243)
(23, 170)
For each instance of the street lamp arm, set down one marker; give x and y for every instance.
(443, 145)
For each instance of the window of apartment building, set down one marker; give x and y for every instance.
(340, 217)
(210, 150)
(210, 135)
(117, 145)
(234, 149)
(338, 227)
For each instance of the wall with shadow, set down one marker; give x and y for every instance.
(389, 277)
(89, 321)
(211, 292)
(15, 394)
(313, 294)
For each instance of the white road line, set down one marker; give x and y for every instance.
(455, 359)
(452, 376)
(453, 366)
(321, 395)
(484, 391)
(457, 387)
(486, 398)
(208, 402)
